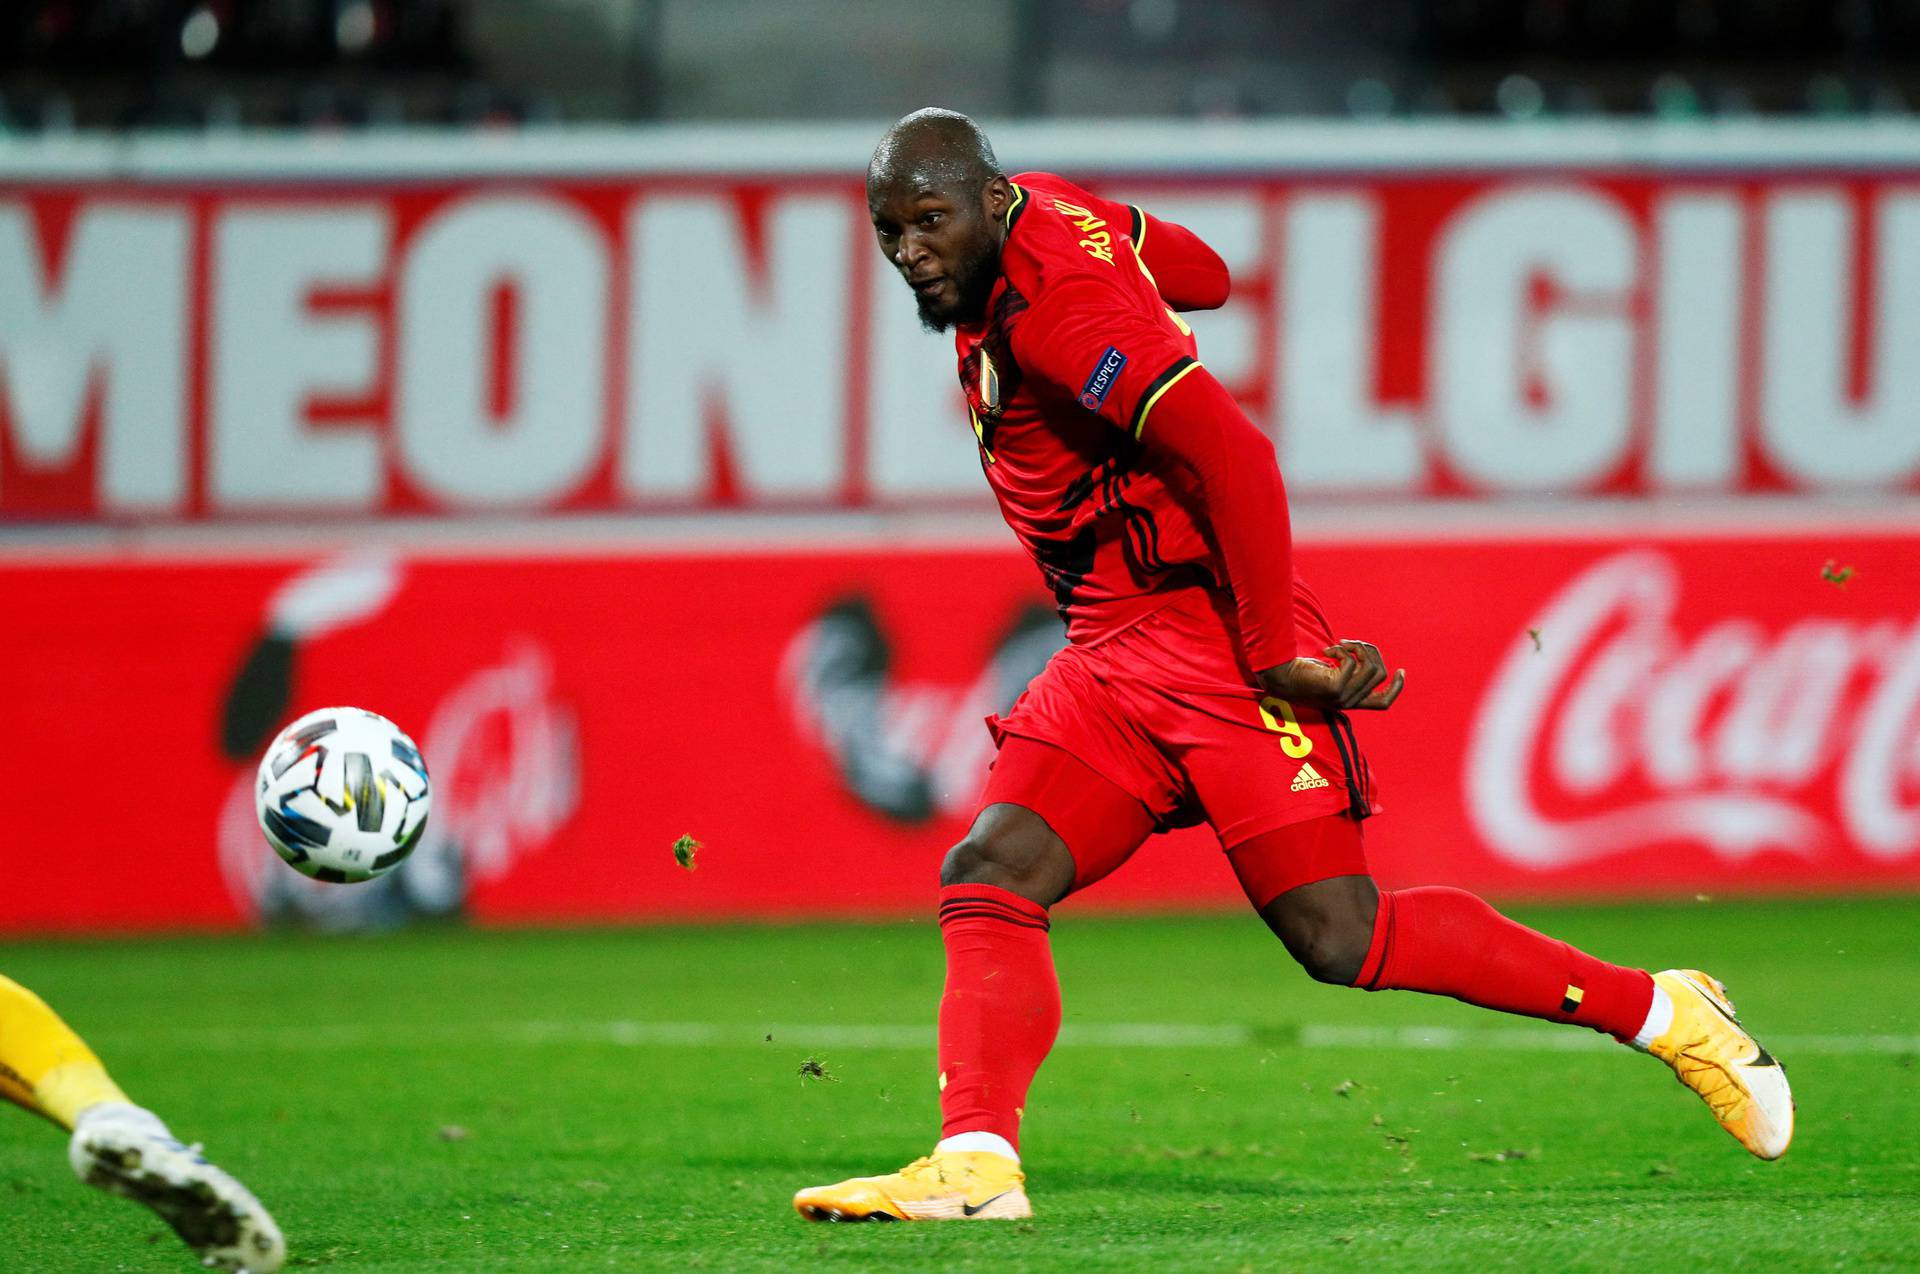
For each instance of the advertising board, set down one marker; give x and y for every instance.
(1592, 716)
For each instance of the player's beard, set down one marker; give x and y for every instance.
(973, 284)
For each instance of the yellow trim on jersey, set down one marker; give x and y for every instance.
(1140, 425)
(1139, 230)
(1141, 261)
(1019, 198)
(980, 432)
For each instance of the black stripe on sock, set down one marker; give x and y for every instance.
(1012, 913)
(1006, 917)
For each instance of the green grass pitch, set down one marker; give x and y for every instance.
(475, 1101)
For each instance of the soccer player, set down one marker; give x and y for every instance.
(125, 1149)
(1201, 681)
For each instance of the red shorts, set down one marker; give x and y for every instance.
(1167, 712)
(1102, 826)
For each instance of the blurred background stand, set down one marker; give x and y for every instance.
(368, 63)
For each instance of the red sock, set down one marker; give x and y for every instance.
(1448, 942)
(1000, 1011)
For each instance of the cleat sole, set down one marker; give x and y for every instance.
(211, 1212)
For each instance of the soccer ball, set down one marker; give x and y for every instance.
(343, 795)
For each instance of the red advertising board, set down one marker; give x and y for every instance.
(227, 345)
(1584, 716)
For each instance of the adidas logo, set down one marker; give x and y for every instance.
(1308, 778)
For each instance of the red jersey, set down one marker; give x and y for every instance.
(1127, 472)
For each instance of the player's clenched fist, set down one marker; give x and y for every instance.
(1352, 682)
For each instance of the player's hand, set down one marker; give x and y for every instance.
(1362, 674)
(1352, 683)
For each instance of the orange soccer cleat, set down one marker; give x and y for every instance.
(954, 1185)
(1711, 1053)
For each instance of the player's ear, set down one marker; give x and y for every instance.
(997, 197)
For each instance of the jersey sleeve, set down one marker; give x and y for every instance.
(1189, 274)
(1234, 475)
(1089, 339)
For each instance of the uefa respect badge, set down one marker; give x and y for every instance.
(1101, 382)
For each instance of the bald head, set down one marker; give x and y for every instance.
(933, 149)
(939, 205)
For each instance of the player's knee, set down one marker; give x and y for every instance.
(966, 864)
(1332, 953)
(986, 860)
(1008, 854)
(1327, 926)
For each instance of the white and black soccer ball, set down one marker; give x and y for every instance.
(342, 795)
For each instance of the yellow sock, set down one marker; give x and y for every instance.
(44, 1066)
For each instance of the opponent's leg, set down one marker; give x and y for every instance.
(1000, 1010)
(44, 1066)
(1446, 941)
(125, 1149)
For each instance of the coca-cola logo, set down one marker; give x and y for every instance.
(1617, 730)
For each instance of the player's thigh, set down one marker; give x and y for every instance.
(1290, 862)
(1094, 824)
(1310, 883)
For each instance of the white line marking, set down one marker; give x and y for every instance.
(1505, 1039)
(638, 1034)
(1536, 1039)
